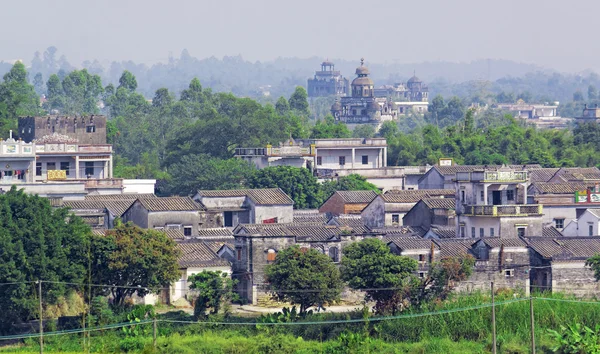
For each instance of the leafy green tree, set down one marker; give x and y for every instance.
(388, 130)
(369, 265)
(162, 98)
(214, 288)
(441, 279)
(37, 242)
(578, 96)
(353, 182)
(17, 98)
(133, 260)
(38, 84)
(329, 129)
(363, 131)
(304, 277)
(298, 183)
(282, 106)
(127, 81)
(299, 101)
(195, 172)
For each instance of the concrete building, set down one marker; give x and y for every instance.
(243, 206)
(362, 107)
(180, 213)
(347, 202)
(90, 130)
(586, 224)
(327, 82)
(493, 203)
(530, 111)
(590, 115)
(410, 97)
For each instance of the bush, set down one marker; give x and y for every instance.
(576, 339)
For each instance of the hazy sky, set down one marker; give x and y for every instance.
(552, 33)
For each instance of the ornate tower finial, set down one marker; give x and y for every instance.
(362, 61)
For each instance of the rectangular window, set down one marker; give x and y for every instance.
(90, 129)
(89, 168)
(591, 229)
(421, 258)
(173, 227)
(520, 231)
(509, 273)
(65, 166)
(38, 168)
(342, 160)
(395, 218)
(462, 231)
(319, 160)
(473, 232)
(365, 160)
(462, 196)
(482, 199)
(510, 194)
(271, 255)
(50, 166)
(491, 232)
(422, 274)
(187, 231)
(239, 255)
(559, 223)
(481, 232)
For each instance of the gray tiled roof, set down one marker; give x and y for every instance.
(357, 197)
(216, 244)
(565, 248)
(542, 174)
(308, 232)
(440, 203)
(170, 204)
(413, 196)
(214, 232)
(451, 170)
(197, 254)
(174, 234)
(595, 212)
(551, 231)
(562, 187)
(579, 174)
(115, 207)
(266, 196)
(126, 196)
(495, 242)
(400, 231)
(455, 247)
(412, 243)
(444, 232)
(310, 218)
(354, 222)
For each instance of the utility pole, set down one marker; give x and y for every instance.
(532, 318)
(154, 332)
(41, 319)
(493, 321)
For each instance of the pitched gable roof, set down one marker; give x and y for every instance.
(265, 196)
(215, 232)
(357, 197)
(443, 232)
(170, 204)
(115, 207)
(125, 196)
(413, 196)
(561, 187)
(565, 248)
(440, 203)
(197, 254)
(412, 243)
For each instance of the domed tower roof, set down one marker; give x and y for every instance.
(414, 79)
(374, 106)
(362, 70)
(327, 63)
(363, 78)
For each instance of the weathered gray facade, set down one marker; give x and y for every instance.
(86, 129)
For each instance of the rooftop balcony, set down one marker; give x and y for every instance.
(503, 210)
(493, 176)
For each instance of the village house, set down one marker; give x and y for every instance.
(347, 202)
(228, 208)
(180, 213)
(440, 232)
(586, 224)
(89, 130)
(558, 264)
(309, 216)
(257, 245)
(493, 203)
(389, 208)
(431, 211)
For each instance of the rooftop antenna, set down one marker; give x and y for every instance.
(10, 132)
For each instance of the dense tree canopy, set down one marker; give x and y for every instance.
(304, 277)
(132, 260)
(36, 243)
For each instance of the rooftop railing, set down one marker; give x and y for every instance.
(503, 210)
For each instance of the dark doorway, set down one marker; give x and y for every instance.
(228, 215)
(496, 197)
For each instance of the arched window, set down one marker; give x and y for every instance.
(271, 254)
